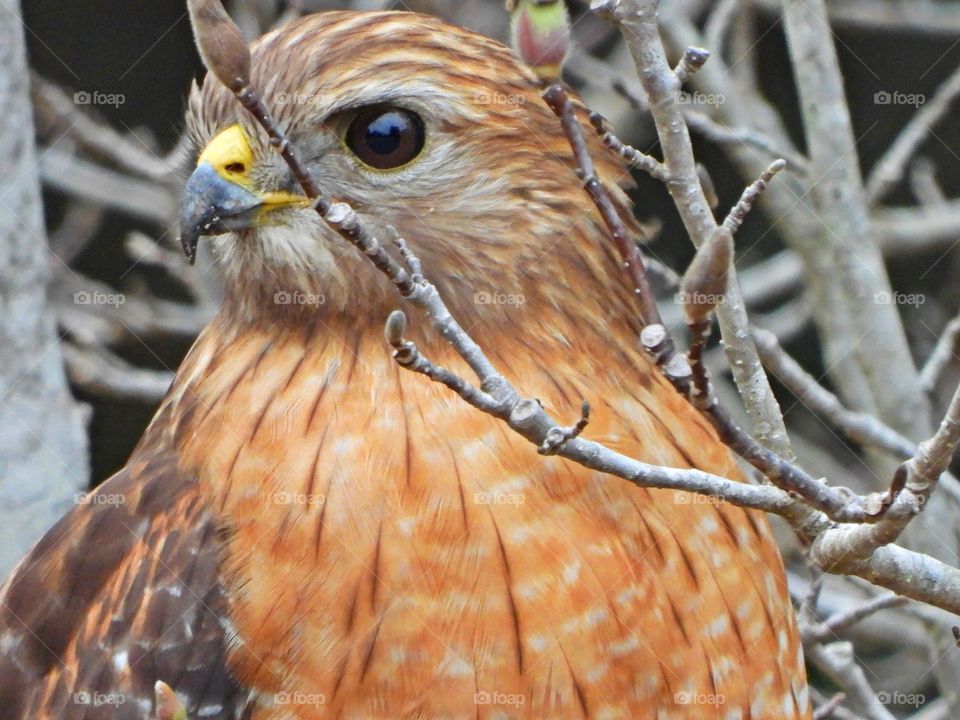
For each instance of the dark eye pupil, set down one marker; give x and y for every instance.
(386, 137)
(385, 134)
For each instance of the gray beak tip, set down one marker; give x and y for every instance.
(212, 206)
(189, 241)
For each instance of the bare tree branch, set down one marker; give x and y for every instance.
(943, 354)
(890, 168)
(844, 233)
(638, 19)
(933, 18)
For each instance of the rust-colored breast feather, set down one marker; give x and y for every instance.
(395, 553)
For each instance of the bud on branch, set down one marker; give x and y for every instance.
(705, 282)
(221, 46)
(540, 32)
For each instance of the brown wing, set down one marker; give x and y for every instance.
(122, 592)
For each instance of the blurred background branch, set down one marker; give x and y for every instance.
(43, 445)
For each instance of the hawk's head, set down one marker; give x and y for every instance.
(418, 124)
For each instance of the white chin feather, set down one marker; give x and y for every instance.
(296, 257)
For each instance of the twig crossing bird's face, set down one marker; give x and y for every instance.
(417, 124)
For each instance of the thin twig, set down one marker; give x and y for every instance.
(923, 182)
(740, 211)
(912, 230)
(839, 662)
(638, 20)
(943, 354)
(858, 427)
(87, 181)
(559, 101)
(890, 168)
(718, 23)
(772, 278)
(715, 132)
(558, 437)
(828, 709)
(831, 628)
(80, 223)
(913, 484)
(99, 372)
(647, 163)
(703, 288)
(526, 416)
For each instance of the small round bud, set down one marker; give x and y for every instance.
(395, 328)
(540, 31)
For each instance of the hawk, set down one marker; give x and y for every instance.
(308, 531)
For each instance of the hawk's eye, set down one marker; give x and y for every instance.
(386, 137)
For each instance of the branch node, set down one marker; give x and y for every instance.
(557, 437)
(693, 59)
(524, 411)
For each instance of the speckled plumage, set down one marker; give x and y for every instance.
(368, 545)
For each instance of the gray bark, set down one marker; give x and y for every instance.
(43, 443)
(874, 339)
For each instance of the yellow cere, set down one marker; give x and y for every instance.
(230, 155)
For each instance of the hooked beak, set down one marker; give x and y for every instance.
(219, 196)
(213, 206)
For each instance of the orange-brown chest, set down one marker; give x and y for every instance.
(394, 553)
